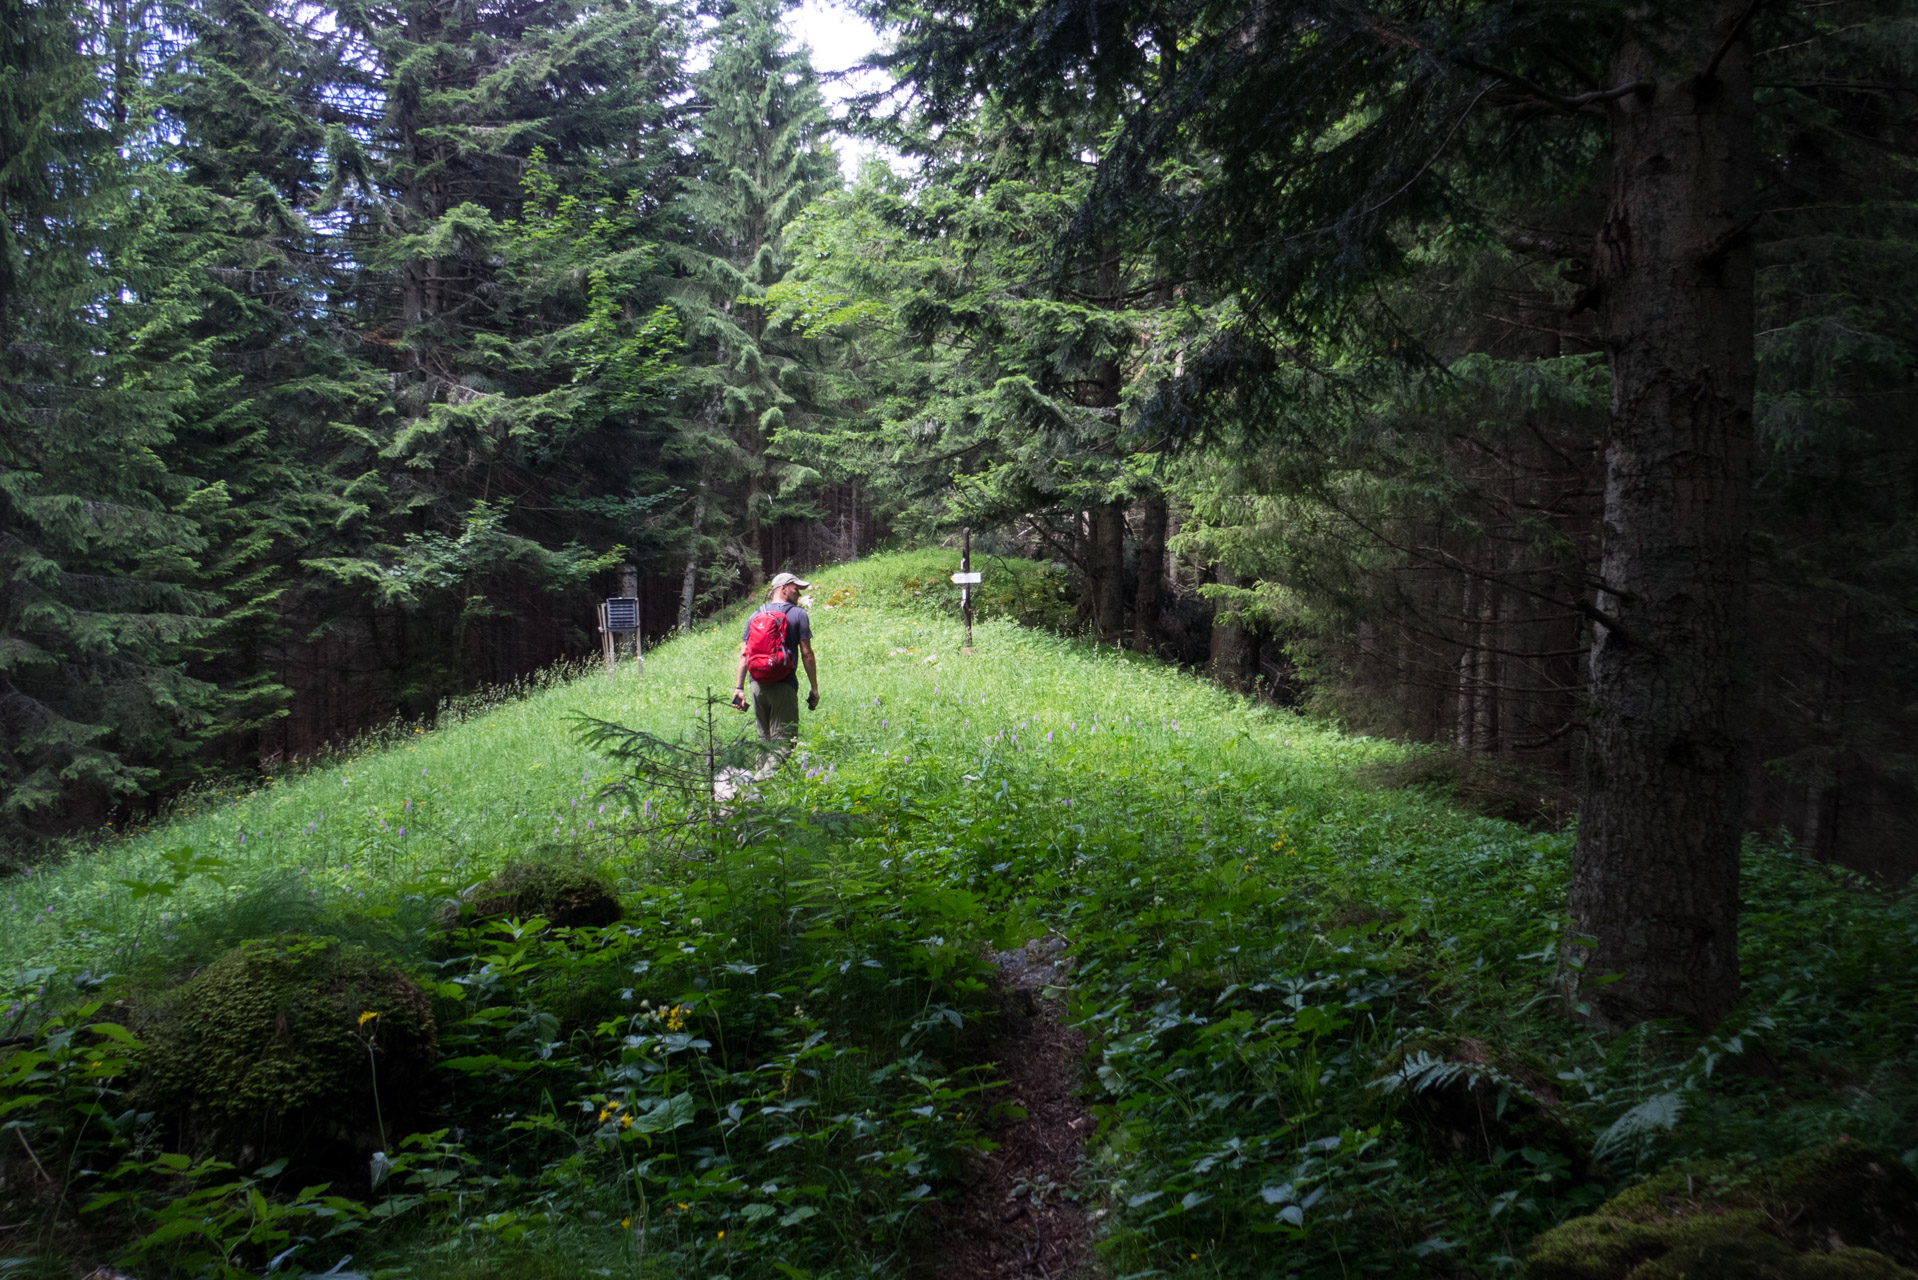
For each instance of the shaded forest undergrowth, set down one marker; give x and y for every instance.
(513, 998)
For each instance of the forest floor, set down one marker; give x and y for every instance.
(1045, 961)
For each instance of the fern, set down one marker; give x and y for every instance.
(1640, 1125)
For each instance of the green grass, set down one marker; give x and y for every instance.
(1260, 938)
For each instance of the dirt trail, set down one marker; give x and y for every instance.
(1016, 1221)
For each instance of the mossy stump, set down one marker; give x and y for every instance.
(1844, 1211)
(267, 1053)
(564, 893)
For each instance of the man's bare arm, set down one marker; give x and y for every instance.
(812, 670)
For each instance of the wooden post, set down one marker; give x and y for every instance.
(965, 580)
(965, 592)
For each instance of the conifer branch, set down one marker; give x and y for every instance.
(1572, 104)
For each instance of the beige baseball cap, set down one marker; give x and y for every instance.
(782, 579)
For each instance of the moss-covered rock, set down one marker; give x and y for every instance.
(269, 1052)
(1471, 1098)
(563, 892)
(1844, 1211)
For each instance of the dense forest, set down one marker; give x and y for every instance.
(1386, 360)
(1435, 786)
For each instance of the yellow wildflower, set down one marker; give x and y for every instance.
(626, 1222)
(720, 1236)
(368, 1016)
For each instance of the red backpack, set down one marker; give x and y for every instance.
(769, 659)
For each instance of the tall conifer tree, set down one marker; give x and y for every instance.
(763, 156)
(97, 546)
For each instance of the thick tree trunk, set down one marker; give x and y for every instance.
(1655, 872)
(1108, 571)
(1145, 601)
(1226, 662)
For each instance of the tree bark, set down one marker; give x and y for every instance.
(1654, 893)
(1108, 571)
(1145, 601)
(1226, 661)
(692, 564)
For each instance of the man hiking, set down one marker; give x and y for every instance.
(778, 638)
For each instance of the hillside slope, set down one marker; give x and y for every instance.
(1318, 1013)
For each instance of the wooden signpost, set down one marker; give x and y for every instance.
(967, 580)
(619, 617)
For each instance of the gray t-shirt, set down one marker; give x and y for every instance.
(798, 630)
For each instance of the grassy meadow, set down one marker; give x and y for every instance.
(776, 1060)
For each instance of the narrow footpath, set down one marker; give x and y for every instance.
(1020, 1218)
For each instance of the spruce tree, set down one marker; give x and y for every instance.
(762, 157)
(1004, 377)
(97, 538)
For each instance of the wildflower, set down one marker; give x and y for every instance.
(625, 1122)
(626, 1223)
(722, 1236)
(368, 1016)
